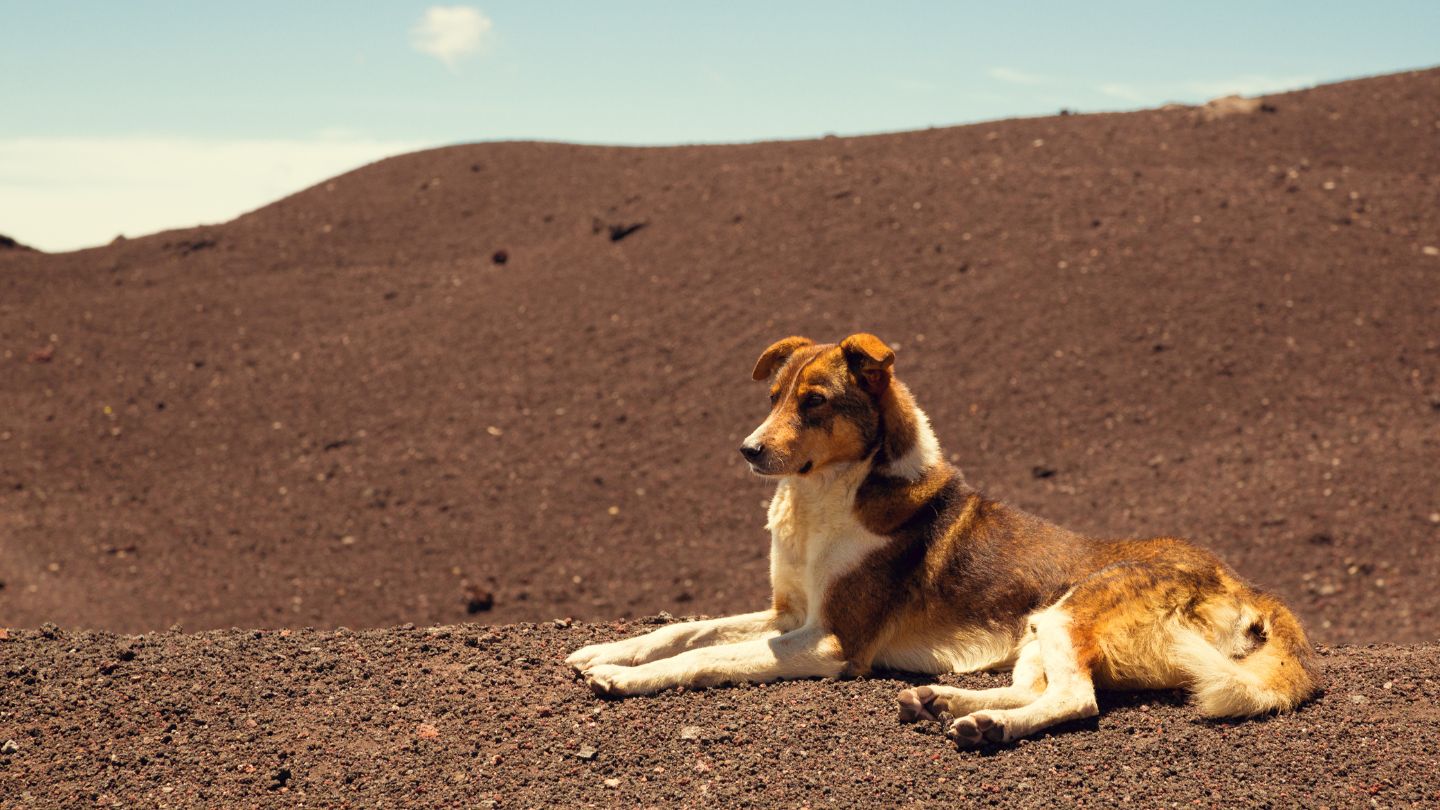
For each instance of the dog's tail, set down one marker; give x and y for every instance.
(1277, 675)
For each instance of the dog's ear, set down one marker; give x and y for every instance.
(870, 360)
(775, 356)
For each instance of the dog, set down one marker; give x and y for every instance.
(883, 556)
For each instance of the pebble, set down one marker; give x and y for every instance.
(587, 753)
(9, 748)
(426, 731)
(690, 733)
(612, 783)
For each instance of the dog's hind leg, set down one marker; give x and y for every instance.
(677, 638)
(1027, 684)
(1069, 692)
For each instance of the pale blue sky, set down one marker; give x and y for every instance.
(110, 106)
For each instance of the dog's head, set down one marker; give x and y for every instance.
(829, 404)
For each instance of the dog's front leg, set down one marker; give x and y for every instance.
(677, 638)
(808, 652)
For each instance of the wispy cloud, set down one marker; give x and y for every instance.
(1013, 76)
(450, 33)
(66, 193)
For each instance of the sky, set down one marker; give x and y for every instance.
(138, 116)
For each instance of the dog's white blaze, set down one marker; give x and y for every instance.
(757, 436)
(922, 455)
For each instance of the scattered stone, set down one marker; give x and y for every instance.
(500, 256)
(1227, 106)
(9, 748)
(478, 600)
(1359, 699)
(426, 731)
(280, 778)
(618, 232)
(1430, 250)
(690, 733)
(612, 783)
(587, 753)
(1042, 472)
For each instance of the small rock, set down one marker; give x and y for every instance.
(612, 783)
(1042, 472)
(1229, 105)
(9, 748)
(478, 600)
(500, 256)
(618, 232)
(1430, 250)
(43, 354)
(1359, 699)
(426, 731)
(280, 778)
(587, 753)
(690, 733)
(544, 711)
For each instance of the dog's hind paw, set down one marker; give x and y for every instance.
(917, 704)
(974, 730)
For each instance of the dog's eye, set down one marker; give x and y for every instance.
(813, 400)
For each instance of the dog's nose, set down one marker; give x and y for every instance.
(751, 452)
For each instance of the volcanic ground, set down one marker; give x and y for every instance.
(505, 382)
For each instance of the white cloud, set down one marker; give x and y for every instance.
(450, 32)
(1250, 85)
(1013, 76)
(67, 193)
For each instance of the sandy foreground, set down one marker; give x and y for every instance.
(466, 715)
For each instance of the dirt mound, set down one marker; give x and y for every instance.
(7, 243)
(347, 409)
(468, 715)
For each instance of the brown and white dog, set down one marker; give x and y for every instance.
(882, 556)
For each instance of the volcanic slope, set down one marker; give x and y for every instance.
(511, 378)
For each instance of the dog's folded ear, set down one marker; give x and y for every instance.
(775, 356)
(870, 360)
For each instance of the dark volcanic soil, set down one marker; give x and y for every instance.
(458, 716)
(465, 376)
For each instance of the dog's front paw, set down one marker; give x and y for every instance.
(581, 659)
(596, 654)
(606, 680)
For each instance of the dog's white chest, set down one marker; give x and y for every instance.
(815, 538)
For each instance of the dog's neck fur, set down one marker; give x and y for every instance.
(907, 462)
